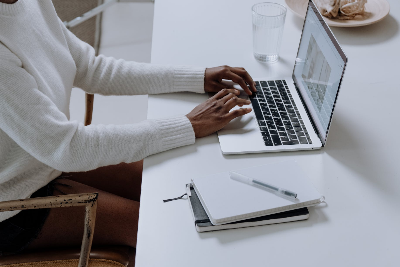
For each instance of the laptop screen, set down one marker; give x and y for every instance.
(318, 70)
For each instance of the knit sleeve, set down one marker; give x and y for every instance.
(109, 76)
(35, 123)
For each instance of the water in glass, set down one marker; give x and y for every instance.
(268, 22)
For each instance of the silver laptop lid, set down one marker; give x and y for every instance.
(319, 70)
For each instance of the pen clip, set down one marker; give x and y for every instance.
(188, 192)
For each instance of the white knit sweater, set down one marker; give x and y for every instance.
(40, 62)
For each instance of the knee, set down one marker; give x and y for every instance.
(134, 168)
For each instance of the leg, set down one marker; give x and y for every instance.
(124, 179)
(132, 257)
(116, 221)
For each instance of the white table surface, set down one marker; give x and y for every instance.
(357, 172)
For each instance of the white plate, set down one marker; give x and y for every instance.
(376, 10)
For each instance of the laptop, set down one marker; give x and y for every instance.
(294, 113)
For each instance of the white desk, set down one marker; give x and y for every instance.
(358, 171)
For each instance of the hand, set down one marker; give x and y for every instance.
(213, 79)
(214, 114)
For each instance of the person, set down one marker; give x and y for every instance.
(43, 153)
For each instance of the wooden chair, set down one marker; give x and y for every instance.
(117, 256)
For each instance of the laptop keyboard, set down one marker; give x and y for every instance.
(277, 115)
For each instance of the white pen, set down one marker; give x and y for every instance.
(247, 180)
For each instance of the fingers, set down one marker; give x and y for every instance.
(237, 113)
(227, 98)
(225, 85)
(225, 92)
(214, 79)
(246, 76)
(235, 101)
(239, 80)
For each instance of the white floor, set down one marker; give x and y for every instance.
(126, 33)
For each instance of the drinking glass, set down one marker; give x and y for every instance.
(268, 22)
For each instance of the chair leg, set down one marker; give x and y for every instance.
(90, 219)
(89, 108)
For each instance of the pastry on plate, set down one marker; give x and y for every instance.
(341, 9)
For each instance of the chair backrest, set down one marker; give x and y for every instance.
(88, 200)
(88, 31)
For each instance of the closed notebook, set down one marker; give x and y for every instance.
(226, 200)
(203, 223)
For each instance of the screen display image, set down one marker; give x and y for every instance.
(318, 71)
